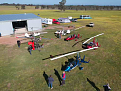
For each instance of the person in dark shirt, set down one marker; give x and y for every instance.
(50, 82)
(30, 49)
(18, 43)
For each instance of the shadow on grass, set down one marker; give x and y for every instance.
(57, 11)
(84, 46)
(77, 18)
(89, 26)
(46, 77)
(80, 41)
(93, 84)
(58, 75)
(63, 67)
(51, 56)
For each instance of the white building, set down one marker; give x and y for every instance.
(11, 22)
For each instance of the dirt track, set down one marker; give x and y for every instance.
(7, 40)
(11, 40)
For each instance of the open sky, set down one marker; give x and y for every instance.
(68, 2)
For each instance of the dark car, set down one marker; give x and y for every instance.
(73, 20)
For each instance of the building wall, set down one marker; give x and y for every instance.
(6, 28)
(34, 24)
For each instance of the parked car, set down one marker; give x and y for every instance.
(91, 24)
(56, 22)
(73, 20)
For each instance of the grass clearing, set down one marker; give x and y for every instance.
(20, 71)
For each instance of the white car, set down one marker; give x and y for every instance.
(91, 24)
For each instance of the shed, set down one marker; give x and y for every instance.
(21, 23)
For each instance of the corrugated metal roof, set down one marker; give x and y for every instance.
(12, 17)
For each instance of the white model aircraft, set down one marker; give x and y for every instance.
(27, 35)
(80, 50)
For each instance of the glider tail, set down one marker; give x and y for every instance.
(78, 36)
(83, 57)
(88, 61)
(77, 56)
(98, 44)
(94, 40)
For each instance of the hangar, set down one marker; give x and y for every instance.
(19, 23)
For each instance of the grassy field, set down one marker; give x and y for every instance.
(20, 71)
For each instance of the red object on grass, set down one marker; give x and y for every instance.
(31, 43)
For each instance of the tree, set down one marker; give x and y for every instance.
(77, 7)
(22, 6)
(62, 5)
(17, 7)
(37, 7)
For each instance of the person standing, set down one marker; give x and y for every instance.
(18, 43)
(30, 49)
(50, 82)
(63, 78)
(106, 87)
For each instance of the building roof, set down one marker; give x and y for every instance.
(15, 17)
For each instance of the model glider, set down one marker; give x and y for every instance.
(30, 35)
(33, 36)
(72, 53)
(92, 38)
(91, 44)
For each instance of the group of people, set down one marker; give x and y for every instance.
(31, 46)
(50, 80)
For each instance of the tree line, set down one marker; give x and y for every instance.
(63, 7)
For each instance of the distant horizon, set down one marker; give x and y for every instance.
(68, 2)
(65, 4)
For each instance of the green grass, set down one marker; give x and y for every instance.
(24, 72)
